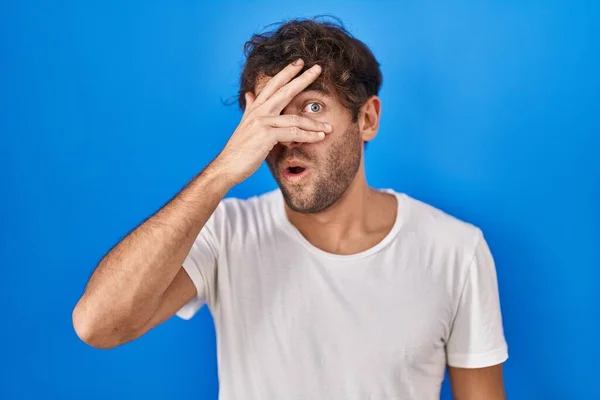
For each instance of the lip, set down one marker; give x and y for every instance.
(293, 162)
(290, 177)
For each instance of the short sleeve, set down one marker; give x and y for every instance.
(201, 264)
(477, 336)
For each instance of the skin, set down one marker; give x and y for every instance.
(477, 383)
(337, 211)
(332, 164)
(140, 283)
(334, 207)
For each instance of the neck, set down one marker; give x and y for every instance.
(359, 212)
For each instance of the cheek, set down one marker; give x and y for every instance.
(336, 134)
(275, 151)
(319, 154)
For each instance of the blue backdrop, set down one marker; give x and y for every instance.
(490, 112)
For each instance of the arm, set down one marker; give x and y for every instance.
(140, 282)
(477, 348)
(477, 383)
(129, 284)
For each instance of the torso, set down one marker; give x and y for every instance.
(296, 322)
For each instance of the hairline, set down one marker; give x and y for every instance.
(317, 88)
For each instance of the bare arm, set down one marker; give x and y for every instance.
(140, 282)
(477, 383)
(126, 288)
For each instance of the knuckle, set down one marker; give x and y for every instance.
(284, 91)
(255, 104)
(254, 122)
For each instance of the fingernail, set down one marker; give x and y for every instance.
(327, 127)
(298, 62)
(321, 134)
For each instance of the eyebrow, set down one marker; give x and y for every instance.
(317, 87)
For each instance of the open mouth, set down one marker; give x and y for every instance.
(295, 170)
(294, 173)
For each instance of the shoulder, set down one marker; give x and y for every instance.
(244, 215)
(446, 243)
(434, 226)
(236, 208)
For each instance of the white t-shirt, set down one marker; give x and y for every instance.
(295, 322)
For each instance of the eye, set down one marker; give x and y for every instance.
(313, 107)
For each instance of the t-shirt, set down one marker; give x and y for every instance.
(295, 322)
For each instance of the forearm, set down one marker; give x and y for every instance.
(484, 383)
(126, 287)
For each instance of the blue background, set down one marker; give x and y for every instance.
(490, 112)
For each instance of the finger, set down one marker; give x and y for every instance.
(280, 99)
(294, 134)
(249, 96)
(287, 121)
(280, 79)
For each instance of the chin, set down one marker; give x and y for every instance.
(302, 207)
(299, 198)
(305, 201)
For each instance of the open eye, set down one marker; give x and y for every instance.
(313, 107)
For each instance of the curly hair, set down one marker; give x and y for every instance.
(348, 65)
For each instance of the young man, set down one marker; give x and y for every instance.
(325, 288)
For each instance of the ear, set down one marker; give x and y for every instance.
(368, 118)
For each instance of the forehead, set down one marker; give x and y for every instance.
(261, 81)
(324, 89)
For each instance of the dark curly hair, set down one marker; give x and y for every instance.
(348, 66)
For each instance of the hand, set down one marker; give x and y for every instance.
(262, 126)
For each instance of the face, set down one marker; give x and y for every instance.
(313, 176)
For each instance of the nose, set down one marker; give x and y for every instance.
(289, 145)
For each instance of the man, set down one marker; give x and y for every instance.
(325, 288)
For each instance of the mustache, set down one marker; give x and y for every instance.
(294, 152)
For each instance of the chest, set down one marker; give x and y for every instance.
(371, 318)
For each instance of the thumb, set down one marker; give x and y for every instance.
(249, 96)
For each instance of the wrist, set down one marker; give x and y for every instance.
(219, 176)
